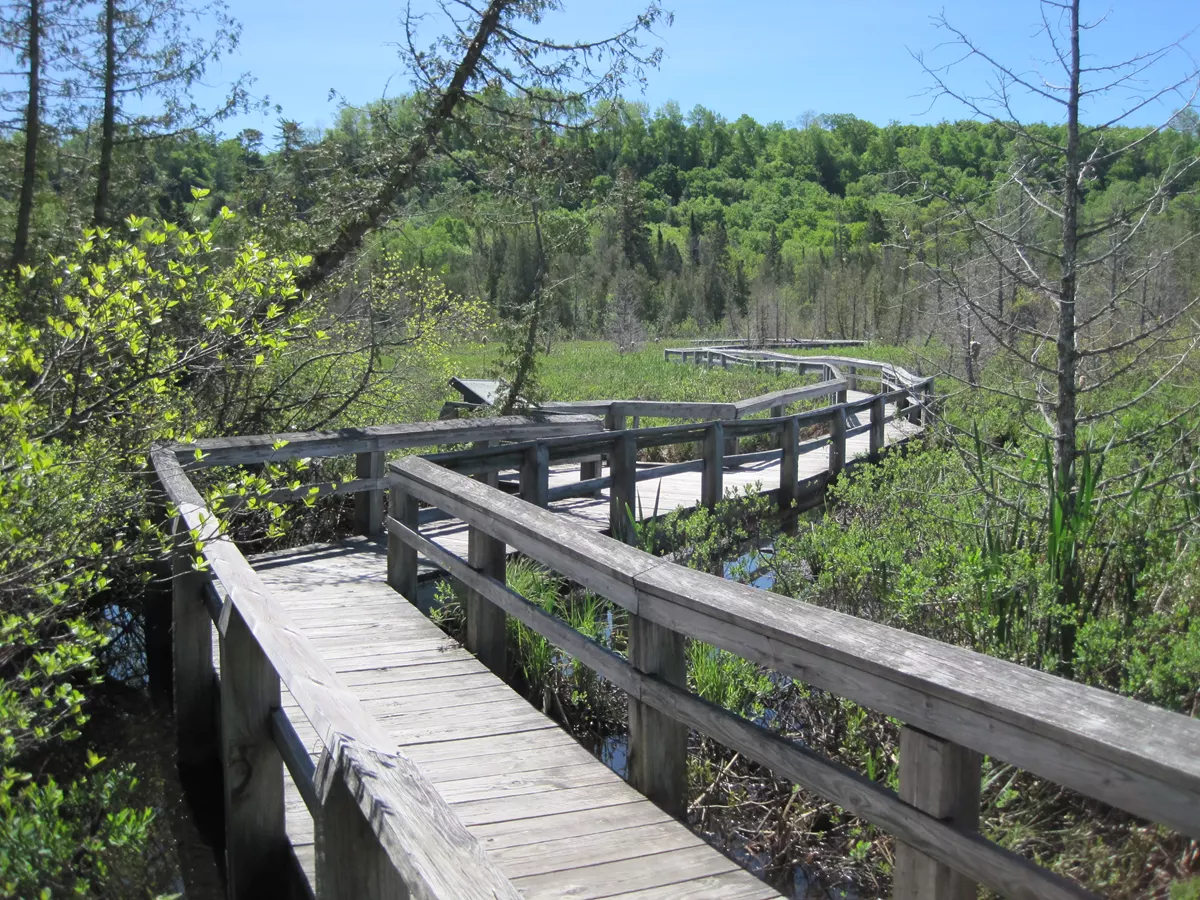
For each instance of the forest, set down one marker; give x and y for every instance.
(519, 214)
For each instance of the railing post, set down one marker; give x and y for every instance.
(658, 743)
(193, 679)
(942, 779)
(368, 505)
(256, 842)
(789, 463)
(778, 366)
(852, 378)
(713, 475)
(485, 620)
(401, 558)
(622, 496)
(916, 411)
(732, 444)
(535, 475)
(877, 433)
(837, 442)
(350, 860)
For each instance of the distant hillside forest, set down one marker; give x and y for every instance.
(657, 224)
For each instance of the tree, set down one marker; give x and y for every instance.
(485, 57)
(23, 36)
(133, 65)
(1083, 260)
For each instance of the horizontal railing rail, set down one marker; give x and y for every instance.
(369, 446)
(955, 704)
(381, 827)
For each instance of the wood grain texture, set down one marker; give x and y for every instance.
(249, 449)
(942, 779)
(658, 742)
(255, 835)
(500, 764)
(328, 705)
(486, 624)
(193, 682)
(368, 505)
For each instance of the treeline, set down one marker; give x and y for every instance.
(658, 223)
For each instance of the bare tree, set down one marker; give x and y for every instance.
(1058, 275)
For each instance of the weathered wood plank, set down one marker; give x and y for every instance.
(255, 833)
(712, 485)
(413, 809)
(1126, 753)
(193, 682)
(402, 560)
(604, 879)
(486, 623)
(942, 779)
(657, 742)
(368, 505)
(249, 449)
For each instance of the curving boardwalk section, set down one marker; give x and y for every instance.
(373, 756)
(554, 819)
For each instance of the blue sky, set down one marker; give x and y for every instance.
(772, 59)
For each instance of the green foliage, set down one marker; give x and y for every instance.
(143, 333)
(83, 840)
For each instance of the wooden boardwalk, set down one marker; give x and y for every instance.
(435, 779)
(557, 821)
(682, 489)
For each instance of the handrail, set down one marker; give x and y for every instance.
(260, 448)
(1120, 751)
(747, 356)
(427, 846)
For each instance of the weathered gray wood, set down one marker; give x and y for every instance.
(622, 494)
(1120, 751)
(789, 466)
(193, 682)
(296, 757)
(591, 469)
(232, 451)
(712, 485)
(878, 420)
(256, 842)
(368, 505)
(942, 779)
(427, 846)
(535, 475)
(660, 696)
(1004, 871)
(410, 810)
(789, 396)
(350, 861)
(601, 565)
(658, 742)
(402, 560)
(837, 442)
(486, 636)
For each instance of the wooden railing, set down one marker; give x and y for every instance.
(369, 446)
(381, 828)
(955, 704)
(533, 458)
(887, 376)
(794, 343)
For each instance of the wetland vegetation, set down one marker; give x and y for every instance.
(164, 280)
